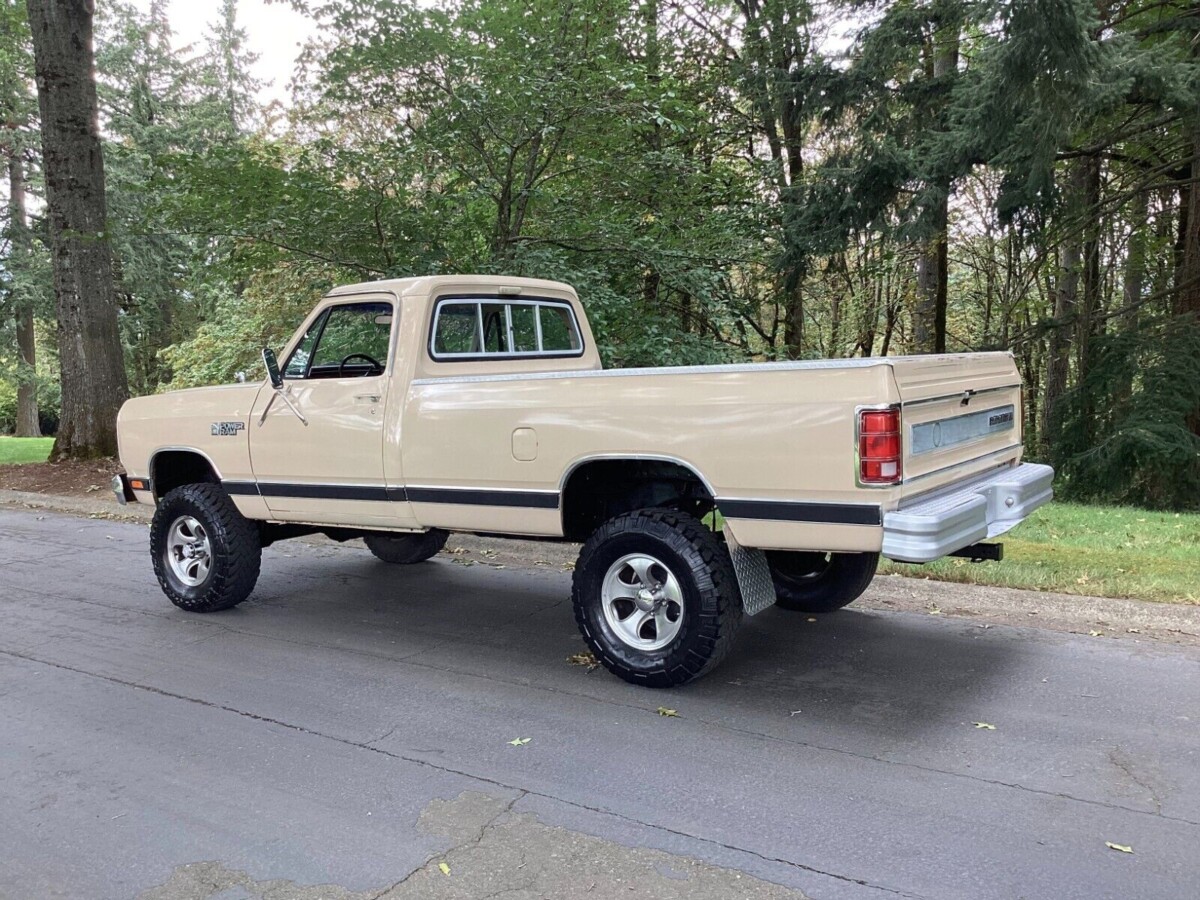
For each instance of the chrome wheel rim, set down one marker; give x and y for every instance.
(188, 551)
(642, 602)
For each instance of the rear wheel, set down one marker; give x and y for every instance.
(656, 598)
(405, 549)
(820, 582)
(206, 555)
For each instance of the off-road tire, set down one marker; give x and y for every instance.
(236, 548)
(405, 549)
(834, 580)
(712, 608)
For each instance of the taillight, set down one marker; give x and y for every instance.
(879, 449)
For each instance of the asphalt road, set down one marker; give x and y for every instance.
(348, 727)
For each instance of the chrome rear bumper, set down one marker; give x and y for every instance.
(961, 515)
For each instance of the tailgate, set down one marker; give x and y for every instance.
(961, 416)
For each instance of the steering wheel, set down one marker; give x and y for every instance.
(372, 360)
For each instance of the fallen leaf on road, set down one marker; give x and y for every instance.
(445, 868)
(811, 619)
(1121, 847)
(583, 659)
(934, 611)
(520, 742)
(663, 711)
(1095, 634)
(984, 725)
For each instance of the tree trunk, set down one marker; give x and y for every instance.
(1090, 305)
(1187, 280)
(1187, 276)
(929, 327)
(90, 355)
(1133, 283)
(1066, 303)
(28, 424)
(793, 323)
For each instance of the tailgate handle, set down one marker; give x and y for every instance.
(367, 398)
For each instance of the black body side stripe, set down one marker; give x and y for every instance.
(522, 499)
(240, 487)
(324, 491)
(787, 511)
(774, 510)
(525, 499)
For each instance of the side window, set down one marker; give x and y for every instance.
(524, 329)
(458, 329)
(495, 328)
(489, 329)
(349, 340)
(559, 332)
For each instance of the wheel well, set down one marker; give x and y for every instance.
(601, 489)
(174, 468)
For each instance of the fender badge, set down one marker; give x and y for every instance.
(227, 429)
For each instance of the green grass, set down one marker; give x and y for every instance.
(24, 450)
(1095, 550)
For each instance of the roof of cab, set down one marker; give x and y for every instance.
(402, 287)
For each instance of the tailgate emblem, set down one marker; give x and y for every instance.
(1000, 419)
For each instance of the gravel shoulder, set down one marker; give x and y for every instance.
(1099, 617)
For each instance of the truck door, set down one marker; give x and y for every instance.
(317, 451)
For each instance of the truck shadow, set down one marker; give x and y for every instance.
(859, 670)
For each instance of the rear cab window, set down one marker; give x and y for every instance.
(503, 328)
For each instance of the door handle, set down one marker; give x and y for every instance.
(367, 398)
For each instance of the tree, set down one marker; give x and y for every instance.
(92, 364)
(17, 109)
(777, 73)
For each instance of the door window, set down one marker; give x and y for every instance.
(348, 340)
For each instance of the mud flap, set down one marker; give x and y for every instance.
(753, 575)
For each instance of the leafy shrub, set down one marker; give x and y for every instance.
(1126, 437)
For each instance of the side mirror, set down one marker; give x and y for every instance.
(272, 365)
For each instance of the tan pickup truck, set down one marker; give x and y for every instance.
(407, 409)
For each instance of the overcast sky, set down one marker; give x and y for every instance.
(274, 32)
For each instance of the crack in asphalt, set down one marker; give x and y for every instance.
(523, 792)
(413, 659)
(384, 736)
(461, 845)
(1121, 760)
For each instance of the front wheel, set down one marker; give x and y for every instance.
(656, 598)
(820, 582)
(206, 554)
